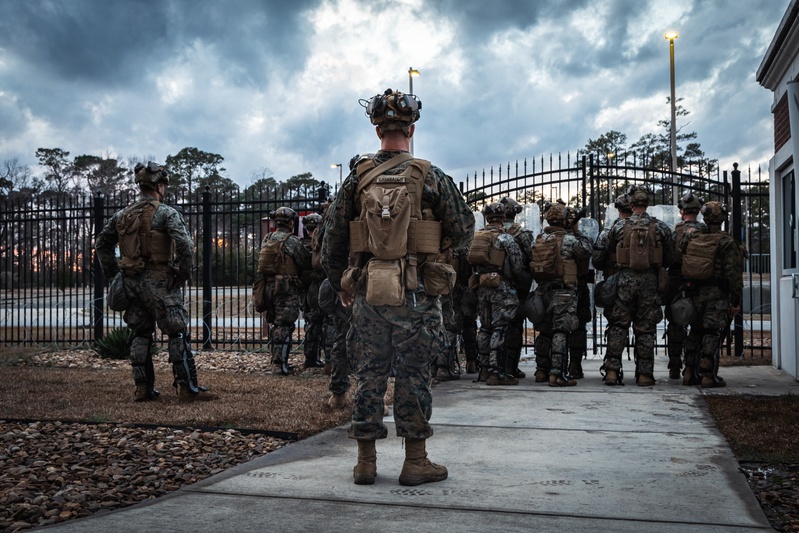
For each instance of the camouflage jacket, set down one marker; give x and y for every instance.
(602, 256)
(515, 267)
(165, 219)
(440, 195)
(662, 232)
(727, 265)
(575, 246)
(525, 239)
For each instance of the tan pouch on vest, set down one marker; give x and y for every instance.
(490, 280)
(385, 282)
(438, 278)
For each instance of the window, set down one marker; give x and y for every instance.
(789, 221)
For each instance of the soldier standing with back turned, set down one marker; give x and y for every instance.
(156, 260)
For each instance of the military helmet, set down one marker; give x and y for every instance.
(494, 210)
(714, 213)
(150, 174)
(312, 220)
(285, 215)
(392, 110)
(622, 203)
(638, 195)
(512, 207)
(555, 213)
(690, 201)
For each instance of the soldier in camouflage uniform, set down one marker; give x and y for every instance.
(689, 205)
(281, 261)
(447, 369)
(406, 332)
(497, 298)
(156, 260)
(637, 301)
(524, 238)
(717, 299)
(559, 296)
(311, 279)
(604, 258)
(578, 340)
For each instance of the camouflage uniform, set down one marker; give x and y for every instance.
(408, 332)
(312, 315)
(578, 340)
(636, 303)
(155, 294)
(713, 298)
(284, 295)
(524, 239)
(453, 318)
(497, 307)
(560, 302)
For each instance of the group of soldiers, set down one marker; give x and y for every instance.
(392, 279)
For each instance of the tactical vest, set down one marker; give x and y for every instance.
(547, 262)
(483, 252)
(273, 259)
(141, 247)
(679, 232)
(639, 249)
(391, 224)
(699, 259)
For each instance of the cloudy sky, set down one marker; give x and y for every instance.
(274, 84)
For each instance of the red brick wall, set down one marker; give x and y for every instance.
(782, 126)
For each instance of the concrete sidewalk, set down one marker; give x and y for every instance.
(524, 458)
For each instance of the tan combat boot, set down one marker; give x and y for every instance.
(365, 471)
(645, 380)
(708, 382)
(337, 401)
(611, 378)
(559, 381)
(471, 367)
(484, 375)
(541, 376)
(445, 374)
(506, 379)
(185, 394)
(417, 468)
(688, 376)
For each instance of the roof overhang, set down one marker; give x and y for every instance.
(782, 51)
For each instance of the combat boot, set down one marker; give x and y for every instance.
(561, 381)
(313, 363)
(674, 370)
(446, 374)
(501, 379)
(645, 380)
(365, 471)
(145, 393)
(417, 468)
(484, 375)
(688, 377)
(611, 378)
(518, 374)
(471, 367)
(709, 382)
(337, 401)
(185, 394)
(576, 368)
(541, 376)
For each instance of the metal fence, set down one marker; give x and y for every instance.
(53, 293)
(594, 182)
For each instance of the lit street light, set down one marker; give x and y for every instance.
(334, 165)
(671, 35)
(412, 73)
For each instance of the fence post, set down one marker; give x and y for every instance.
(737, 235)
(98, 318)
(207, 271)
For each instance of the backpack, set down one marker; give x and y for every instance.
(698, 261)
(391, 223)
(482, 251)
(272, 258)
(546, 263)
(639, 249)
(679, 232)
(139, 244)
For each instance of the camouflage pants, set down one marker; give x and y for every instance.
(152, 303)
(314, 318)
(578, 340)
(285, 302)
(337, 326)
(637, 304)
(515, 337)
(675, 340)
(453, 324)
(380, 335)
(703, 342)
(551, 345)
(496, 308)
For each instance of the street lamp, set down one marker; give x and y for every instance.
(671, 35)
(412, 73)
(334, 165)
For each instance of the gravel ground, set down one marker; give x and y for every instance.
(53, 471)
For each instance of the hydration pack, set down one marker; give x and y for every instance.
(639, 249)
(272, 258)
(482, 251)
(546, 263)
(139, 244)
(698, 261)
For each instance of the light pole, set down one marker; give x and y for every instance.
(412, 73)
(334, 165)
(671, 35)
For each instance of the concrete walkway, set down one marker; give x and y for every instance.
(524, 458)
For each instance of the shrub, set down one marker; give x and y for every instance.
(115, 345)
